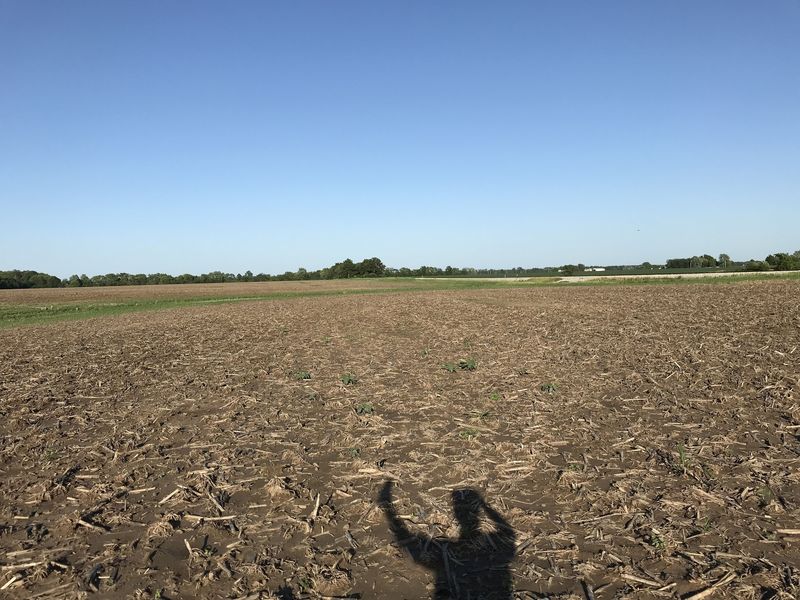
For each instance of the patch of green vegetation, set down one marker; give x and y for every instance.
(765, 496)
(354, 452)
(348, 379)
(683, 460)
(305, 583)
(468, 433)
(548, 388)
(464, 365)
(707, 525)
(299, 375)
(468, 364)
(365, 408)
(480, 414)
(656, 541)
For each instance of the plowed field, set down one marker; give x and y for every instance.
(583, 442)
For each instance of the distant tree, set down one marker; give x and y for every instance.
(678, 263)
(370, 267)
(27, 279)
(569, 269)
(74, 281)
(782, 261)
(756, 265)
(724, 261)
(342, 270)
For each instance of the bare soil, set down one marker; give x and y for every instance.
(611, 442)
(193, 290)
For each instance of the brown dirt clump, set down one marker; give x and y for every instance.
(610, 442)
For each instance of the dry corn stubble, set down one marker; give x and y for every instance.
(641, 441)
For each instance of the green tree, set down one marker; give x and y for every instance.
(756, 265)
(781, 261)
(569, 269)
(370, 267)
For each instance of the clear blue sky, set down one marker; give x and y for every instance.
(191, 136)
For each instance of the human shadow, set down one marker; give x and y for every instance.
(473, 566)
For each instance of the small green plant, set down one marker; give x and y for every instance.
(480, 414)
(348, 379)
(354, 452)
(683, 460)
(468, 433)
(575, 467)
(468, 364)
(656, 540)
(765, 496)
(51, 454)
(302, 375)
(449, 367)
(365, 408)
(305, 583)
(548, 388)
(495, 396)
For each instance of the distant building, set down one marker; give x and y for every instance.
(596, 269)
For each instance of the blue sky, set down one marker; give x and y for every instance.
(192, 136)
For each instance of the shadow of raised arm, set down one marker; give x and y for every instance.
(413, 543)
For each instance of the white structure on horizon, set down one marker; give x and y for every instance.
(596, 269)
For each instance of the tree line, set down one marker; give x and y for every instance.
(374, 267)
(780, 261)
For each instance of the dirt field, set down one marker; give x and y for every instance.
(194, 290)
(611, 442)
(579, 278)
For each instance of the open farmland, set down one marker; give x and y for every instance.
(609, 442)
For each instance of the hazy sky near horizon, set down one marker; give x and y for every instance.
(175, 137)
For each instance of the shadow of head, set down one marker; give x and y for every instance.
(467, 505)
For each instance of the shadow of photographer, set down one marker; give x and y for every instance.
(476, 564)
